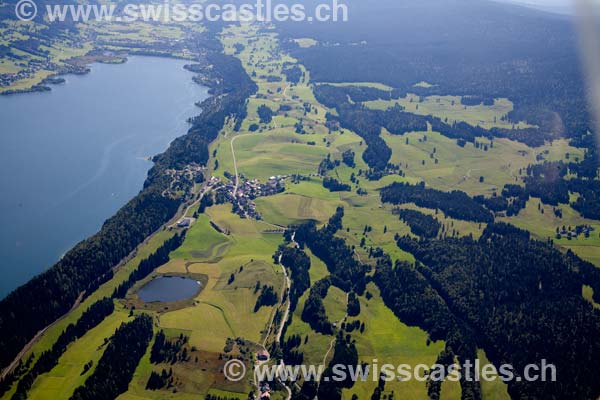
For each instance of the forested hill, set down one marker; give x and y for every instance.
(462, 47)
(46, 297)
(520, 300)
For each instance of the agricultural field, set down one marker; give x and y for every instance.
(203, 242)
(302, 202)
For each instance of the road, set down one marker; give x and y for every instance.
(339, 323)
(237, 177)
(288, 286)
(285, 317)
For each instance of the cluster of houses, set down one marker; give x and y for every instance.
(571, 233)
(28, 72)
(247, 191)
(184, 178)
(34, 66)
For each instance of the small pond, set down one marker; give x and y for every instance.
(169, 288)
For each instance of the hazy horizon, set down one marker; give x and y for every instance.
(561, 6)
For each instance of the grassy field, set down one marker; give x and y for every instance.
(374, 85)
(226, 310)
(588, 293)
(388, 340)
(301, 202)
(202, 242)
(461, 167)
(449, 109)
(335, 304)
(61, 382)
(195, 377)
(491, 390)
(543, 226)
(254, 154)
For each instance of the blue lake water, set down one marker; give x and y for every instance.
(70, 158)
(166, 289)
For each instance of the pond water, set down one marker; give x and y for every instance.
(169, 288)
(70, 158)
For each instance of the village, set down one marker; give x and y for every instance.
(242, 196)
(34, 66)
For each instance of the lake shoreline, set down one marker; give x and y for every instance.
(178, 126)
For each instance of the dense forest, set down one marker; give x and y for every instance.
(23, 315)
(165, 350)
(353, 307)
(333, 185)
(266, 298)
(90, 318)
(455, 204)
(119, 361)
(420, 224)
(489, 50)
(289, 350)
(314, 310)
(158, 381)
(518, 299)
(298, 263)
(346, 272)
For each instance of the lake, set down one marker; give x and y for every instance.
(70, 158)
(169, 288)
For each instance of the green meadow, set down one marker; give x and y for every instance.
(389, 341)
(450, 109)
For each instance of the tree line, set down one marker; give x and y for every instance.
(298, 263)
(519, 299)
(314, 312)
(165, 350)
(118, 362)
(368, 123)
(420, 224)
(90, 318)
(23, 315)
(346, 272)
(149, 264)
(455, 204)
